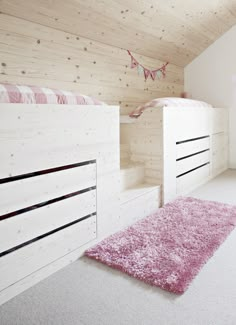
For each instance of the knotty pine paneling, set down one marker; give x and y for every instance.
(176, 30)
(33, 54)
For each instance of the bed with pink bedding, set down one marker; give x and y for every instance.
(58, 174)
(168, 102)
(41, 95)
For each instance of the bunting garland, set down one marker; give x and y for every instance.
(160, 72)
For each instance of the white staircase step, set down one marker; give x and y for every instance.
(130, 175)
(136, 191)
(139, 202)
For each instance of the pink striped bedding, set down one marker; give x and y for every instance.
(41, 95)
(168, 101)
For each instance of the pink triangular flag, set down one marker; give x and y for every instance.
(153, 74)
(134, 63)
(146, 73)
(163, 72)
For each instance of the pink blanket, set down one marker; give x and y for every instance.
(41, 95)
(168, 101)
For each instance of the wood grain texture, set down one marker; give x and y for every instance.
(55, 135)
(30, 258)
(33, 54)
(20, 229)
(141, 206)
(176, 30)
(63, 135)
(27, 192)
(145, 140)
(152, 140)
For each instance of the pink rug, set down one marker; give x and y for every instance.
(168, 248)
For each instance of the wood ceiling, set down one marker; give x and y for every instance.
(170, 30)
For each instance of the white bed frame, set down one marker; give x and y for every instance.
(199, 148)
(60, 177)
(59, 187)
(181, 148)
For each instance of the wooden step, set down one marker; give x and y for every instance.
(131, 174)
(137, 191)
(139, 202)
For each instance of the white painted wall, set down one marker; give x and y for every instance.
(212, 77)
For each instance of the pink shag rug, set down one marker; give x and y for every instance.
(168, 248)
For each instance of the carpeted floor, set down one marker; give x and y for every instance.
(168, 248)
(87, 293)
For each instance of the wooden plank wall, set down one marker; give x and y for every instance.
(33, 54)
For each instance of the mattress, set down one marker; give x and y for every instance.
(168, 101)
(40, 95)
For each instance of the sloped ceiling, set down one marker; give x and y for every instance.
(170, 30)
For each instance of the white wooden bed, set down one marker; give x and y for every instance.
(199, 148)
(180, 147)
(59, 187)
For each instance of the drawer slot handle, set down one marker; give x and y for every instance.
(194, 139)
(45, 171)
(46, 234)
(191, 170)
(42, 204)
(193, 154)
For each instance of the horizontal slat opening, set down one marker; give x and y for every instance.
(191, 170)
(193, 154)
(192, 147)
(190, 181)
(46, 234)
(39, 221)
(30, 191)
(23, 262)
(45, 171)
(42, 204)
(193, 139)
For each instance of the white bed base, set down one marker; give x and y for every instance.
(181, 148)
(77, 148)
(59, 187)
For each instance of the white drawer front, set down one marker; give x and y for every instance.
(27, 226)
(186, 164)
(29, 191)
(25, 261)
(188, 182)
(187, 148)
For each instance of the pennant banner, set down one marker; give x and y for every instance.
(161, 72)
(153, 74)
(140, 69)
(146, 73)
(134, 63)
